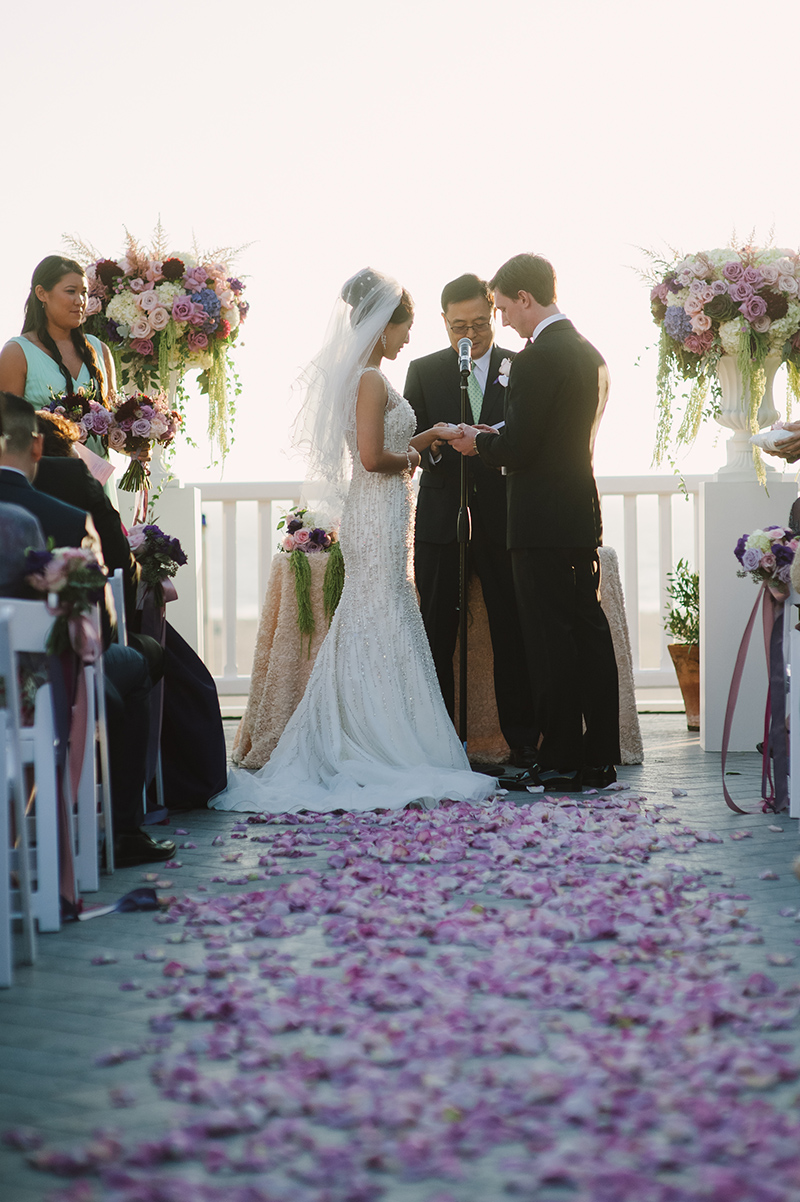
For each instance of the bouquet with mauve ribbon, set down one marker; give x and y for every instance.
(767, 556)
(159, 558)
(137, 423)
(72, 580)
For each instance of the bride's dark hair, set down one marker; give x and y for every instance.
(362, 292)
(48, 273)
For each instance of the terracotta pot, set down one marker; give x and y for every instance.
(686, 658)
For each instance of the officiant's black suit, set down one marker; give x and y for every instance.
(557, 391)
(433, 387)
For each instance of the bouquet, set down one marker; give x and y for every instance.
(82, 408)
(158, 555)
(743, 302)
(73, 580)
(303, 538)
(162, 312)
(767, 556)
(136, 424)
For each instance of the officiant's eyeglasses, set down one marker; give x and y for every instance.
(460, 328)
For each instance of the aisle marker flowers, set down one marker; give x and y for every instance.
(767, 556)
(739, 301)
(304, 537)
(158, 555)
(72, 580)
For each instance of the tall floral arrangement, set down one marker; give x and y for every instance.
(163, 312)
(739, 301)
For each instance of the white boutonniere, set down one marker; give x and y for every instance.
(505, 368)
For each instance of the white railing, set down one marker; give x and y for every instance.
(651, 521)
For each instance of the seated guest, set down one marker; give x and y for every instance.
(19, 533)
(128, 672)
(63, 475)
(193, 754)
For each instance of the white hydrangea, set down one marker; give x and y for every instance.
(760, 541)
(167, 292)
(676, 300)
(124, 308)
(719, 257)
(785, 327)
(730, 334)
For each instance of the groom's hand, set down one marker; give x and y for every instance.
(465, 442)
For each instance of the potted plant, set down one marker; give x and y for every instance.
(683, 623)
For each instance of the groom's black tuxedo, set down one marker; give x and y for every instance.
(557, 392)
(433, 389)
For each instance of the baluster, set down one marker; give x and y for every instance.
(229, 670)
(664, 565)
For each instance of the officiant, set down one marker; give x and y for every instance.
(433, 389)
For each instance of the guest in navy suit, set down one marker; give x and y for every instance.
(433, 388)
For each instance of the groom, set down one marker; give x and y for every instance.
(433, 387)
(557, 392)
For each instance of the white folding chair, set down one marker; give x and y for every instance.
(27, 624)
(792, 654)
(15, 895)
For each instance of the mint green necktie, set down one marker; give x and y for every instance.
(475, 396)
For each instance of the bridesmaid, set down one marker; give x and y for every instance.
(53, 352)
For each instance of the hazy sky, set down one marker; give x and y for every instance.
(424, 138)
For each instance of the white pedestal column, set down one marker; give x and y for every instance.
(178, 514)
(729, 508)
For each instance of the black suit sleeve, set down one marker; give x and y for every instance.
(536, 387)
(415, 395)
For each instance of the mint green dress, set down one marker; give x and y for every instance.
(44, 374)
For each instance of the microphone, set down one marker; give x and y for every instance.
(465, 355)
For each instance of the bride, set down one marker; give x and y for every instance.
(371, 731)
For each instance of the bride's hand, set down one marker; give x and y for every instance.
(415, 458)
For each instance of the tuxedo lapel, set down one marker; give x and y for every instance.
(494, 393)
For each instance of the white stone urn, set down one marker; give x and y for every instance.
(735, 416)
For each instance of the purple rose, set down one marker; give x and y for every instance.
(718, 287)
(102, 420)
(755, 307)
(147, 411)
(751, 559)
(142, 346)
(784, 574)
(197, 341)
(182, 308)
(126, 425)
(753, 277)
(740, 292)
(141, 428)
(318, 536)
(733, 271)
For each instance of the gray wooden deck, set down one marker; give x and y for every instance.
(61, 1012)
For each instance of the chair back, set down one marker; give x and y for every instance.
(116, 583)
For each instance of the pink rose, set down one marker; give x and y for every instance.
(301, 536)
(136, 538)
(198, 316)
(182, 308)
(770, 274)
(718, 287)
(142, 346)
(138, 285)
(197, 341)
(93, 305)
(753, 307)
(141, 428)
(740, 292)
(154, 273)
(787, 283)
(701, 322)
(141, 328)
(761, 324)
(693, 305)
(768, 561)
(116, 438)
(698, 344)
(753, 276)
(149, 300)
(158, 318)
(288, 542)
(733, 271)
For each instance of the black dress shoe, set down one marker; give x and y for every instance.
(599, 778)
(520, 780)
(137, 847)
(561, 780)
(523, 757)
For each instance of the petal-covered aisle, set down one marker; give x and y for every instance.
(565, 998)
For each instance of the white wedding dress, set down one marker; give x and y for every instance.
(371, 731)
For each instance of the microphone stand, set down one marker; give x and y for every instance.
(464, 534)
